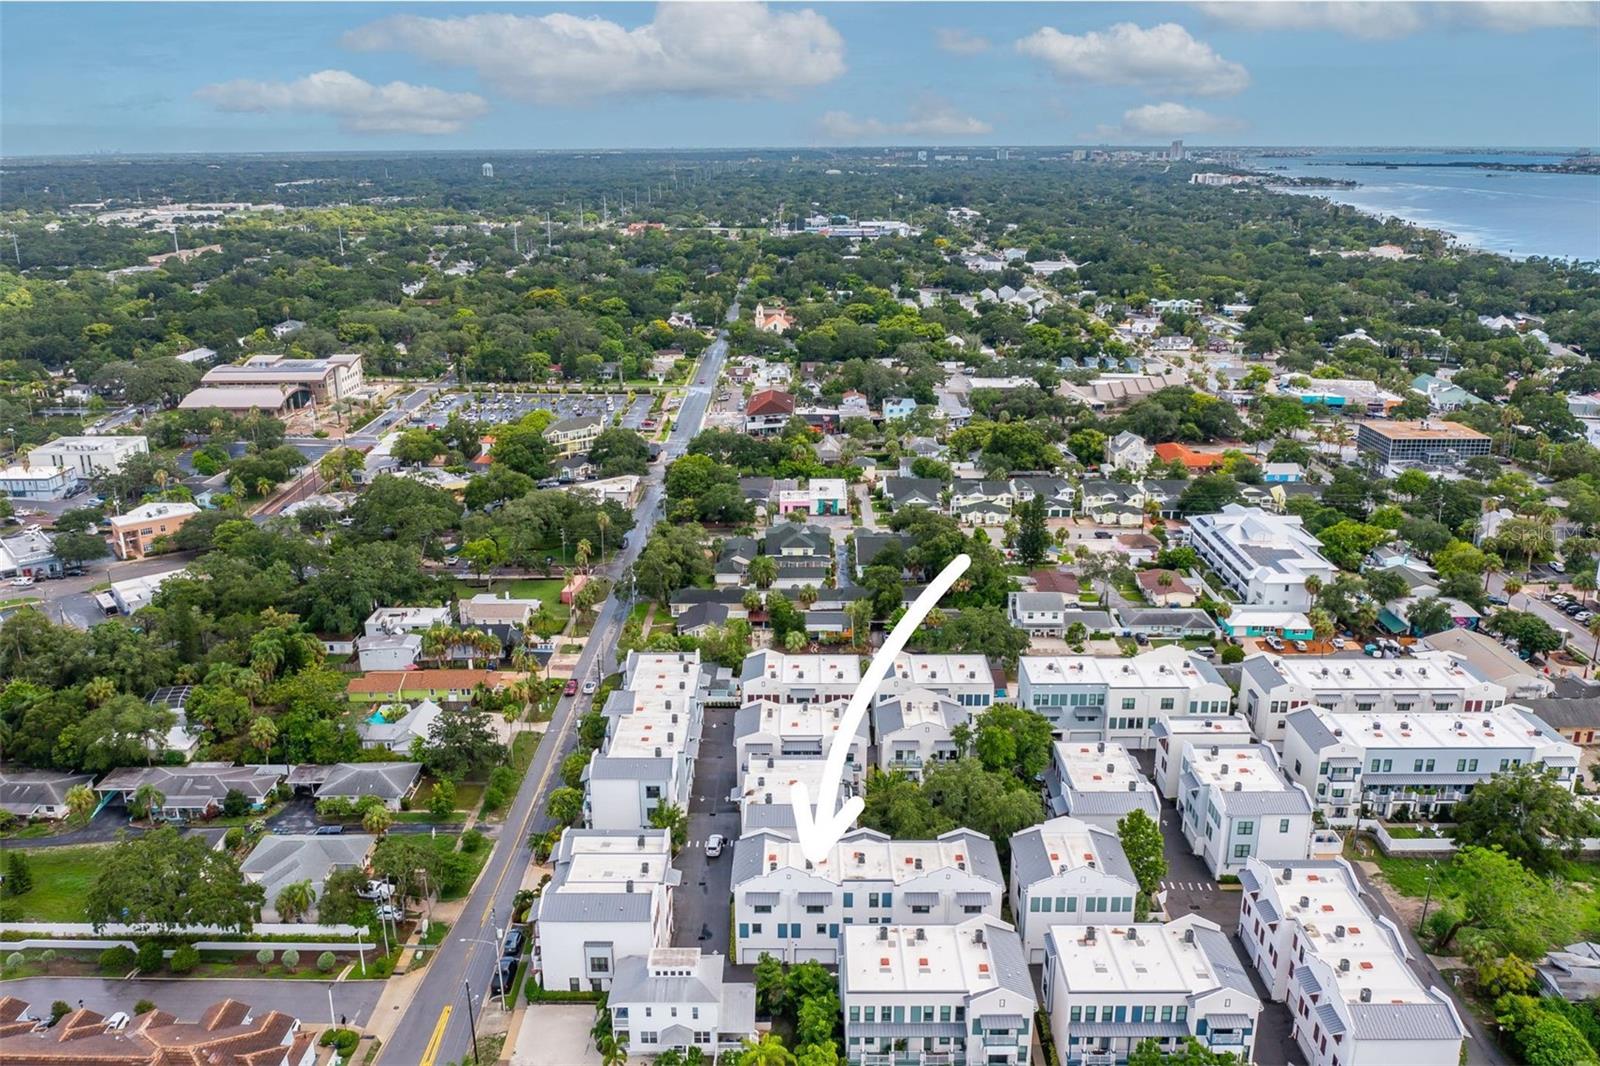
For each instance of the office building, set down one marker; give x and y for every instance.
(134, 533)
(1235, 804)
(88, 457)
(26, 481)
(1265, 558)
(326, 380)
(1067, 871)
(794, 910)
(609, 897)
(1425, 442)
(1098, 783)
(1093, 699)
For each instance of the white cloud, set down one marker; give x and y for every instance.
(1161, 58)
(1164, 120)
(1382, 19)
(708, 49)
(928, 121)
(360, 106)
(960, 42)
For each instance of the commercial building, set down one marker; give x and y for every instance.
(1235, 804)
(956, 994)
(1342, 968)
(1093, 699)
(652, 737)
(1373, 763)
(677, 998)
(913, 731)
(1427, 441)
(1107, 988)
(1265, 558)
(133, 533)
(29, 553)
(1344, 395)
(28, 482)
(88, 456)
(609, 897)
(243, 399)
(1098, 783)
(1174, 736)
(135, 593)
(328, 380)
(1066, 871)
(794, 910)
(1272, 687)
(573, 436)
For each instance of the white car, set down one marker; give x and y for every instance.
(1338, 644)
(589, 688)
(21, 582)
(714, 845)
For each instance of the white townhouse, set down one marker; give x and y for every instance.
(678, 998)
(766, 729)
(653, 725)
(1066, 871)
(1265, 558)
(1234, 804)
(610, 897)
(1093, 699)
(1041, 614)
(1272, 687)
(794, 910)
(783, 678)
(953, 994)
(88, 457)
(1174, 736)
(1098, 783)
(392, 621)
(1342, 968)
(1372, 763)
(766, 788)
(913, 731)
(966, 679)
(1108, 988)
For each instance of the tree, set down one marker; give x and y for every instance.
(1502, 906)
(294, 901)
(137, 878)
(442, 799)
(1141, 841)
(482, 554)
(771, 984)
(671, 817)
(340, 466)
(1430, 615)
(1532, 633)
(565, 806)
(75, 548)
(1208, 494)
(762, 571)
(377, 819)
(81, 803)
(1527, 813)
(461, 741)
(768, 1051)
(1010, 739)
(620, 451)
(1033, 540)
(19, 874)
(1347, 542)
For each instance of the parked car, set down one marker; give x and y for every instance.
(572, 687)
(21, 582)
(386, 913)
(1101, 534)
(1338, 644)
(512, 946)
(504, 971)
(714, 844)
(1274, 643)
(1206, 652)
(328, 830)
(1499, 601)
(589, 688)
(1140, 639)
(1300, 646)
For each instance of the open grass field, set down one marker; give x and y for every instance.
(61, 879)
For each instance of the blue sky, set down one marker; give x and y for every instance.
(241, 77)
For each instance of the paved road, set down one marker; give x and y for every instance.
(700, 905)
(467, 959)
(306, 1000)
(68, 600)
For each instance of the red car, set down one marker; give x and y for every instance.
(572, 687)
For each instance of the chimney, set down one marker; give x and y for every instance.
(1188, 935)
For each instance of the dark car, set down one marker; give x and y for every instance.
(512, 947)
(572, 687)
(329, 830)
(503, 972)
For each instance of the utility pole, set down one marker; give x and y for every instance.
(15, 249)
(341, 241)
(472, 1023)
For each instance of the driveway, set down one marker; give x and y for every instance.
(700, 905)
(103, 828)
(556, 1034)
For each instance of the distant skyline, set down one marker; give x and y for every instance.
(150, 78)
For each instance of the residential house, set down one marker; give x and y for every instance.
(398, 726)
(228, 1033)
(1112, 503)
(133, 594)
(1108, 988)
(1040, 614)
(609, 898)
(1245, 622)
(870, 543)
(912, 491)
(1280, 473)
(1166, 588)
(391, 782)
(1177, 623)
(1092, 699)
(442, 686)
(966, 985)
(1343, 969)
(829, 450)
(767, 412)
(135, 532)
(389, 651)
(913, 731)
(179, 740)
(30, 794)
(1443, 396)
(1371, 764)
(277, 862)
(799, 679)
(966, 679)
(1196, 462)
(677, 999)
(764, 729)
(1066, 871)
(193, 791)
(766, 789)
(1234, 804)
(1174, 737)
(853, 404)
(1098, 783)
(821, 496)
(1128, 451)
(896, 408)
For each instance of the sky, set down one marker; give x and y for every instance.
(196, 77)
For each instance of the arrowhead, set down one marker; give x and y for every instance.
(817, 835)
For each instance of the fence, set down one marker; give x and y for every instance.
(67, 929)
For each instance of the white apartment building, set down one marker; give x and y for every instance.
(1381, 761)
(1041, 614)
(1173, 737)
(393, 621)
(1098, 783)
(966, 679)
(783, 678)
(912, 731)
(88, 457)
(766, 729)
(1093, 699)
(610, 897)
(1263, 557)
(1342, 968)
(766, 789)
(1109, 988)
(1067, 871)
(954, 994)
(794, 910)
(653, 727)
(1234, 804)
(1272, 687)
(678, 998)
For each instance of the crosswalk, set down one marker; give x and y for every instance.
(1188, 886)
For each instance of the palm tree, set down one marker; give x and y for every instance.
(1512, 587)
(807, 595)
(762, 571)
(1594, 631)
(263, 733)
(602, 522)
(794, 640)
(147, 801)
(437, 640)
(294, 901)
(671, 817)
(612, 1051)
(581, 553)
(377, 820)
(99, 690)
(81, 802)
(263, 487)
(768, 1051)
(1584, 582)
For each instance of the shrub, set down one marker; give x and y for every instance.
(264, 957)
(118, 960)
(1232, 653)
(150, 957)
(58, 1010)
(473, 841)
(233, 838)
(343, 1041)
(326, 962)
(15, 959)
(184, 959)
(291, 959)
(19, 875)
(144, 1006)
(47, 955)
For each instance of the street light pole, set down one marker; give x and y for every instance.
(472, 1024)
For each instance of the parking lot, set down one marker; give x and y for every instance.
(503, 407)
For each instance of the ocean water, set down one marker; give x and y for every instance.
(1515, 213)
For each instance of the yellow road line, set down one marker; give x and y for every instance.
(432, 1049)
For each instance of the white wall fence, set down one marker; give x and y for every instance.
(68, 929)
(1439, 845)
(314, 947)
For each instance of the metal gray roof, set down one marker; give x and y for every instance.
(1010, 961)
(1262, 671)
(1289, 800)
(1134, 1029)
(389, 780)
(594, 907)
(1228, 1021)
(629, 768)
(1119, 803)
(896, 1031)
(1031, 858)
(1328, 1015)
(633, 984)
(1219, 950)
(1404, 1021)
(1309, 724)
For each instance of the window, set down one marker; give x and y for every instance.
(1166, 1014)
(763, 908)
(1244, 829)
(599, 965)
(1283, 825)
(1033, 904)
(1166, 703)
(744, 930)
(944, 1013)
(1127, 703)
(872, 899)
(849, 899)
(652, 792)
(1077, 1015)
(1472, 765)
(1461, 766)
(1241, 851)
(1088, 1013)
(822, 928)
(755, 927)
(1182, 1015)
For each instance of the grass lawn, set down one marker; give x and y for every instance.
(61, 879)
(1410, 877)
(244, 964)
(547, 591)
(35, 831)
(523, 745)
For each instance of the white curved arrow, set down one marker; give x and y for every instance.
(818, 834)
